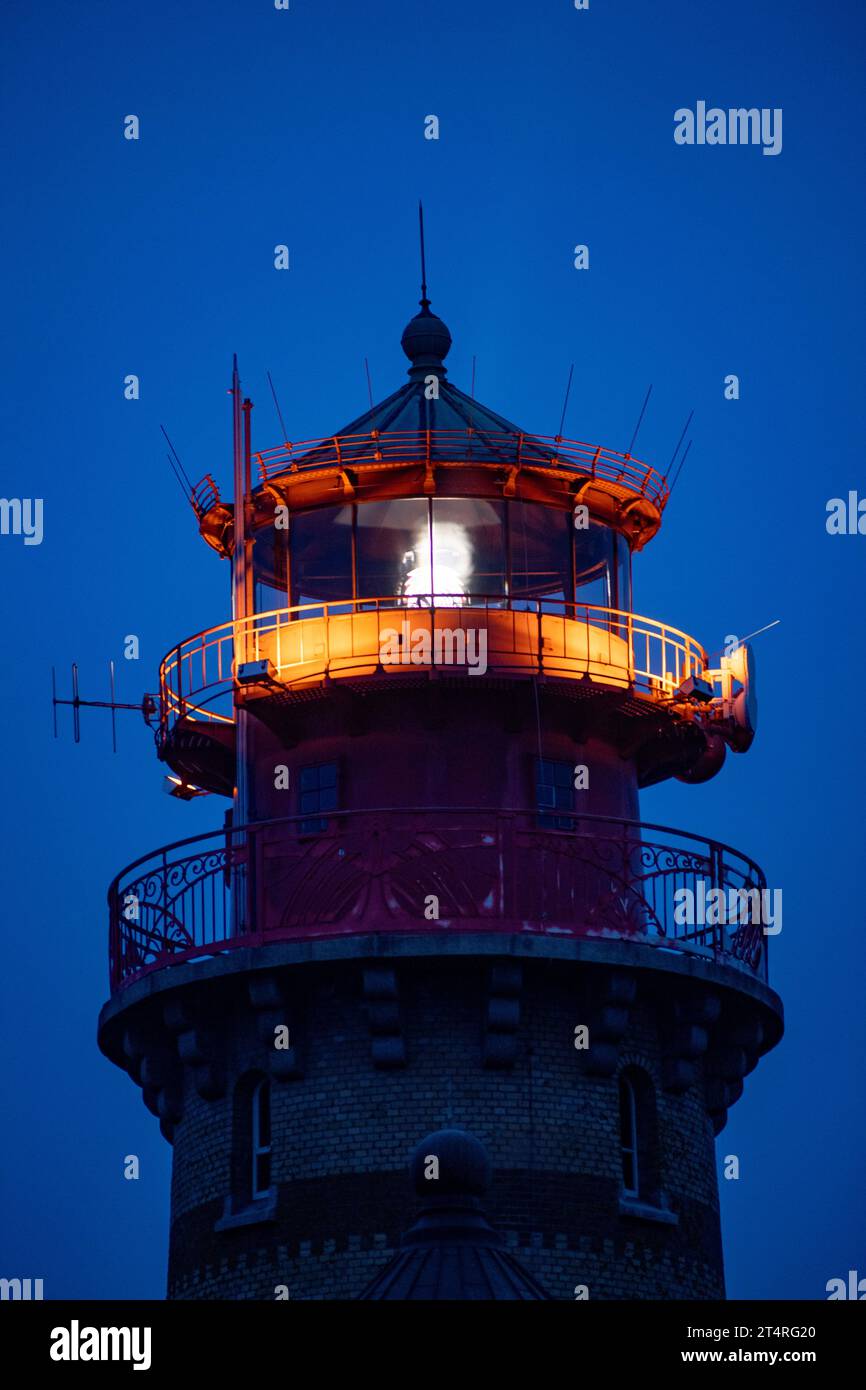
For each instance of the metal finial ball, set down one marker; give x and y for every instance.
(426, 339)
(463, 1165)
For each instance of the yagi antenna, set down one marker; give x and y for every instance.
(76, 723)
(113, 707)
(147, 707)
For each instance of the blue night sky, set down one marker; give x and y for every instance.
(155, 257)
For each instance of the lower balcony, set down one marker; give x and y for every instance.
(433, 869)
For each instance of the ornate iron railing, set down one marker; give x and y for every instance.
(420, 870)
(523, 637)
(507, 448)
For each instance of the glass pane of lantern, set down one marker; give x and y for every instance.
(320, 556)
(468, 550)
(540, 556)
(394, 550)
(271, 569)
(593, 566)
(623, 573)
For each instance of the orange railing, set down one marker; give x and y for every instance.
(465, 446)
(306, 643)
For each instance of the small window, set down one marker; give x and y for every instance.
(317, 794)
(554, 791)
(638, 1136)
(251, 1143)
(628, 1137)
(260, 1137)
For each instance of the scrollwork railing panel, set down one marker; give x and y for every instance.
(406, 869)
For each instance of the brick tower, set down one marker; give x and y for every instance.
(432, 905)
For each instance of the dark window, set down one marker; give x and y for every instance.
(622, 551)
(628, 1136)
(260, 1121)
(541, 557)
(271, 568)
(638, 1136)
(251, 1140)
(317, 793)
(320, 556)
(554, 791)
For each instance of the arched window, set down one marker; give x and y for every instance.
(638, 1136)
(260, 1139)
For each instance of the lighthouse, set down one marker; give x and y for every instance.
(429, 905)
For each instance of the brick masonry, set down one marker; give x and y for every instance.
(344, 1128)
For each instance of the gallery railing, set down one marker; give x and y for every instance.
(345, 638)
(433, 869)
(508, 448)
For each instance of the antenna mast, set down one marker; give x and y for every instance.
(565, 402)
(242, 607)
(639, 421)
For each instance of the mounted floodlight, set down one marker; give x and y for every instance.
(256, 672)
(184, 791)
(694, 688)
